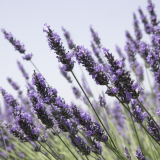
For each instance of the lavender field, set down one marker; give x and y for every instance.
(111, 110)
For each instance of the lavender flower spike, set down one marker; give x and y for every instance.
(16, 43)
(22, 70)
(147, 26)
(137, 30)
(139, 155)
(28, 57)
(84, 57)
(54, 42)
(127, 154)
(151, 11)
(102, 101)
(68, 38)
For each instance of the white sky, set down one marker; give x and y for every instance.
(25, 20)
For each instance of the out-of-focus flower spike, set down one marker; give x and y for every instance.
(28, 57)
(16, 43)
(139, 155)
(20, 66)
(152, 13)
(127, 154)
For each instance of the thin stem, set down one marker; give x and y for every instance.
(93, 109)
(52, 149)
(136, 133)
(113, 150)
(35, 66)
(65, 144)
(45, 149)
(45, 155)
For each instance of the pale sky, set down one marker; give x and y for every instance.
(25, 20)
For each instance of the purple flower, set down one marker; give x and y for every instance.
(14, 42)
(151, 11)
(95, 37)
(153, 129)
(139, 155)
(137, 30)
(54, 42)
(40, 110)
(17, 132)
(68, 38)
(127, 154)
(121, 81)
(120, 52)
(79, 143)
(137, 112)
(158, 112)
(102, 101)
(47, 94)
(147, 26)
(25, 122)
(22, 70)
(28, 57)
(65, 74)
(84, 57)
(76, 92)
(13, 84)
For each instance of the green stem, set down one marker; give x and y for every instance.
(93, 109)
(65, 144)
(46, 149)
(136, 133)
(45, 155)
(52, 149)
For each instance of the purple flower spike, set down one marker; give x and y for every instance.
(136, 110)
(47, 94)
(95, 37)
(151, 11)
(65, 74)
(76, 92)
(127, 154)
(68, 38)
(13, 84)
(54, 42)
(102, 101)
(137, 31)
(123, 85)
(147, 26)
(84, 57)
(14, 42)
(40, 110)
(153, 129)
(139, 155)
(22, 70)
(28, 57)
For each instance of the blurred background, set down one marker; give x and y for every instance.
(25, 20)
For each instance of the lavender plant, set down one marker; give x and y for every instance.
(42, 125)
